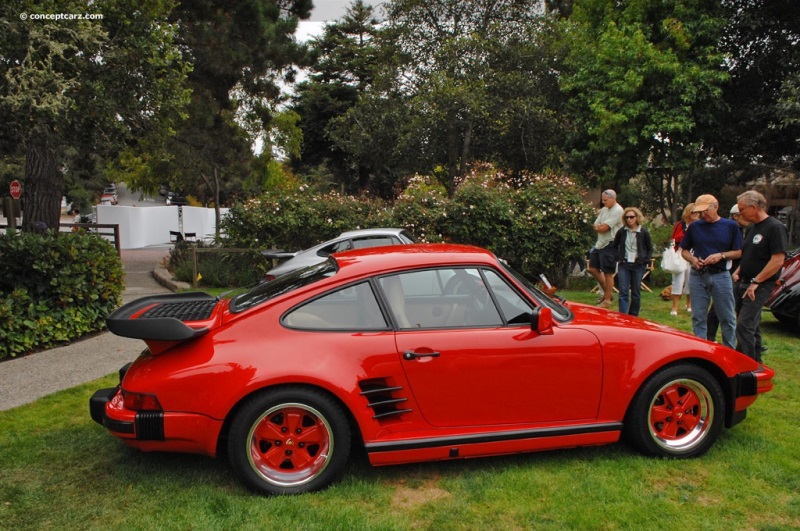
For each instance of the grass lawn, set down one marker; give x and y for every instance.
(60, 470)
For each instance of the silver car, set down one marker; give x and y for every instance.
(354, 239)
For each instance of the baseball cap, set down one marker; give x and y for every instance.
(703, 202)
(735, 209)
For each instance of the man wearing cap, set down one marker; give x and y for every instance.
(602, 258)
(763, 254)
(709, 246)
(712, 325)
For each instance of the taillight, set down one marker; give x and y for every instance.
(140, 401)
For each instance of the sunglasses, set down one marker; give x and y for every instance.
(630, 217)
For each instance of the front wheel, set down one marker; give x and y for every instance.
(678, 412)
(289, 441)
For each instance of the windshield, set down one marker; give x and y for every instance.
(560, 312)
(283, 284)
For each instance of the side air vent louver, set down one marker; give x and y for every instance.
(183, 311)
(383, 399)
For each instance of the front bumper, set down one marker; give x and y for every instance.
(744, 390)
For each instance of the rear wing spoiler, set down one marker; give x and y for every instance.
(277, 254)
(162, 317)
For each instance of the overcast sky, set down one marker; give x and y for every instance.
(329, 9)
(326, 11)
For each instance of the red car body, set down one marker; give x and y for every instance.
(784, 302)
(284, 387)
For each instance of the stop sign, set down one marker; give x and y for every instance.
(15, 189)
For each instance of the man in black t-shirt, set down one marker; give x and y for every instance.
(763, 254)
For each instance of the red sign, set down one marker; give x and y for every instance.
(15, 189)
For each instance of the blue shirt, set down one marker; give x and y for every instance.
(704, 239)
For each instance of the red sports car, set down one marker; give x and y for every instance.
(418, 353)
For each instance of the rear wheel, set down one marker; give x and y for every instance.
(289, 441)
(678, 412)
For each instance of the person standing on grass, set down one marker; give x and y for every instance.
(709, 245)
(713, 321)
(634, 250)
(763, 254)
(680, 281)
(602, 262)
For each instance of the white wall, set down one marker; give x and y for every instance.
(144, 226)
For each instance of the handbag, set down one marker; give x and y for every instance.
(672, 262)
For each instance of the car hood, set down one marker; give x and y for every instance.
(583, 314)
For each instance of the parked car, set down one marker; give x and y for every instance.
(174, 198)
(355, 239)
(784, 303)
(417, 353)
(108, 198)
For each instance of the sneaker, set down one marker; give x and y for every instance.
(689, 310)
(673, 312)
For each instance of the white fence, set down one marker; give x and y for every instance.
(145, 226)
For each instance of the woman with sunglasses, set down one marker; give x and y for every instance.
(634, 250)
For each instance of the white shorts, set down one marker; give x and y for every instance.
(680, 283)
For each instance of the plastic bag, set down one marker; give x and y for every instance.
(672, 262)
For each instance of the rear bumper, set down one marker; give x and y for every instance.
(145, 425)
(155, 431)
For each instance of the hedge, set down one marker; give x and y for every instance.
(539, 223)
(55, 288)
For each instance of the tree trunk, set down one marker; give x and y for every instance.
(217, 215)
(44, 186)
(215, 190)
(452, 159)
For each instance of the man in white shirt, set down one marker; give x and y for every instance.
(602, 261)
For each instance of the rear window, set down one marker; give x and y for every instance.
(283, 284)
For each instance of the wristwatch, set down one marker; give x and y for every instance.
(754, 281)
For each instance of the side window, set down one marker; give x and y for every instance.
(351, 308)
(440, 298)
(516, 310)
(373, 241)
(335, 247)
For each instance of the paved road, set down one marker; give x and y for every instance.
(23, 380)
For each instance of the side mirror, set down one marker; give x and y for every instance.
(542, 320)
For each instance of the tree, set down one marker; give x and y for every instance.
(450, 89)
(645, 81)
(346, 58)
(240, 52)
(760, 125)
(447, 49)
(72, 92)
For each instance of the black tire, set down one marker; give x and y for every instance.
(289, 441)
(678, 412)
(788, 320)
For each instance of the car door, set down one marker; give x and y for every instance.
(473, 367)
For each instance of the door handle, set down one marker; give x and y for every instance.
(411, 355)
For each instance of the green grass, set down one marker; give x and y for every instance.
(59, 470)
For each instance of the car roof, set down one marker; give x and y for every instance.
(385, 259)
(369, 232)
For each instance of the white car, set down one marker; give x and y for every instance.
(354, 239)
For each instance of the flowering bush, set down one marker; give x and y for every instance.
(539, 223)
(422, 209)
(299, 220)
